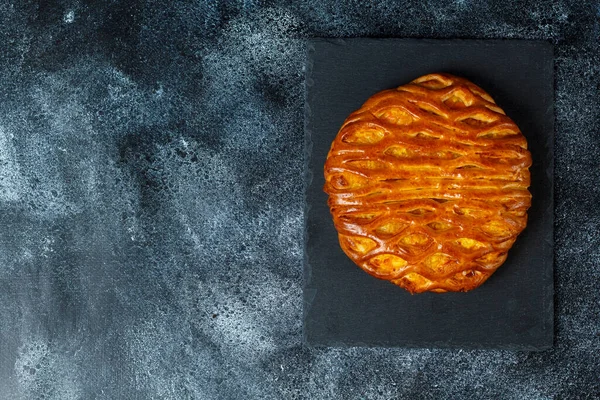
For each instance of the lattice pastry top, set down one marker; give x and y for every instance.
(428, 185)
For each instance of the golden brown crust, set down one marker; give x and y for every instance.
(427, 185)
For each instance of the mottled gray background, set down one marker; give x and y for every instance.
(151, 172)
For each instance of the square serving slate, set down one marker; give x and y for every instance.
(344, 306)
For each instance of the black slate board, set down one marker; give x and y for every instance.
(344, 306)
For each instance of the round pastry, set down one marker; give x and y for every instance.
(428, 185)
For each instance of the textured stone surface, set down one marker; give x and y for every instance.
(151, 203)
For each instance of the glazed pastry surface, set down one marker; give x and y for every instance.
(428, 185)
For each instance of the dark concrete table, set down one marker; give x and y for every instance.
(151, 204)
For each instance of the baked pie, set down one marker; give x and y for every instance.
(428, 185)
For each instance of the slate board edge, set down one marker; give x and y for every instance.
(307, 294)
